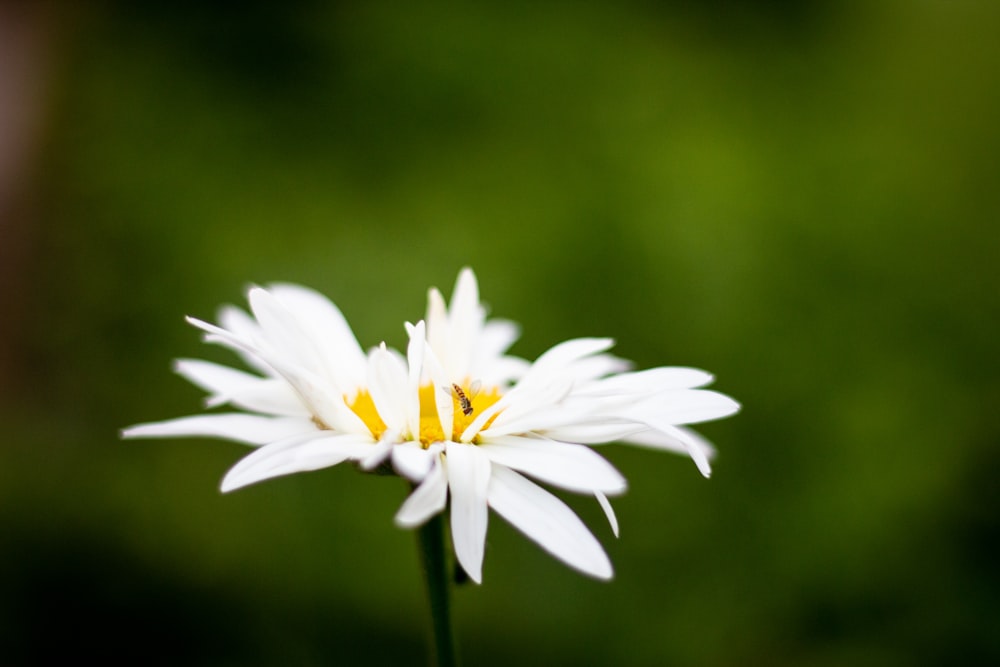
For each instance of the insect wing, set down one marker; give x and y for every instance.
(474, 389)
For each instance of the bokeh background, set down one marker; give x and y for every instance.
(801, 197)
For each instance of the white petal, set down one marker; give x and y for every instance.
(271, 396)
(437, 321)
(251, 392)
(245, 347)
(426, 500)
(238, 321)
(595, 433)
(609, 511)
(560, 356)
(319, 396)
(649, 381)
(322, 399)
(501, 371)
(596, 366)
(214, 378)
(468, 479)
(548, 521)
(677, 439)
(526, 407)
(415, 363)
(465, 320)
(495, 337)
(572, 467)
(251, 429)
(242, 325)
(442, 402)
(684, 406)
(284, 338)
(296, 454)
(381, 451)
(412, 461)
(550, 417)
(325, 324)
(387, 383)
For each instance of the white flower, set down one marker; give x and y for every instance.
(317, 399)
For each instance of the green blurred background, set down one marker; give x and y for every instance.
(801, 197)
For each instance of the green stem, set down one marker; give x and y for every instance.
(432, 554)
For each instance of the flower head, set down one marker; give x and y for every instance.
(455, 415)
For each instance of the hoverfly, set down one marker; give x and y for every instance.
(464, 398)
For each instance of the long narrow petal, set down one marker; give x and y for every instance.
(468, 480)
(241, 324)
(437, 321)
(497, 335)
(387, 382)
(561, 355)
(684, 406)
(254, 393)
(647, 382)
(609, 511)
(534, 420)
(696, 452)
(527, 407)
(501, 371)
(212, 377)
(240, 343)
(296, 454)
(465, 320)
(282, 332)
(677, 439)
(415, 364)
(251, 429)
(572, 467)
(548, 521)
(271, 396)
(328, 406)
(315, 393)
(443, 403)
(595, 433)
(323, 322)
(595, 366)
(426, 500)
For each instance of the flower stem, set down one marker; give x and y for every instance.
(432, 553)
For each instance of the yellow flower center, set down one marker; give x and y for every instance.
(430, 425)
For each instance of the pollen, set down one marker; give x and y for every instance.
(430, 425)
(364, 407)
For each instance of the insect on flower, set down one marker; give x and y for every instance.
(464, 399)
(318, 400)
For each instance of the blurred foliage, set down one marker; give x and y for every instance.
(800, 197)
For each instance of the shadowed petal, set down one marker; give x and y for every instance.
(296, 454)
(412, 461)
(426, 500)
(572, 467)
(324, 323)
(595, 433)
(548, 521)
(677, 439)
(609, 511)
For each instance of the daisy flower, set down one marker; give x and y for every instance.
(455, 415)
